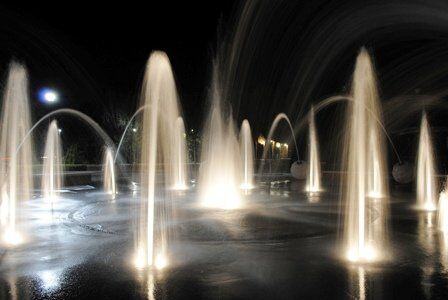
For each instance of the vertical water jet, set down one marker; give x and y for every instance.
(247, 156)
(52, 165)
(314, 171)
(159, 95)
(180, 156)
(426, 180)
(16, 179)
(219, 174)
(109, 182)
(365, 233)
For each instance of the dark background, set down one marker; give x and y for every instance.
(289, 55)
(94, 55)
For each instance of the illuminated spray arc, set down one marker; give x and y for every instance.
(365, 189)
(52, 165)
(426, 180)
(15, 172)
(277, 119)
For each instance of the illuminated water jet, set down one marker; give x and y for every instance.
(314, 171)
(247, 156)
(52, 165)
(426, 180)
(15, 166)
(109, 182)
(159, 95)
(442, 216)
(219, 174)
(180, 156)
(365, 219)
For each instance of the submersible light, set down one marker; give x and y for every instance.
(180, 187)
(246, 186)
(367, 254)
(161, 262)
(12, 237)
(139, 260)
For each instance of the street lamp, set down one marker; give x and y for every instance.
(47, 95)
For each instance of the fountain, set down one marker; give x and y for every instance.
(442, 216)
(426, 180)
(247, 156)
(159, 95)
(277, 119)
(180, 156)
(365, 220)
(109, 183)
(220, 172)
(15, 164)
(52, 165)
(314, 171)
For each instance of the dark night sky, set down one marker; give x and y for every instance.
(290, 54)
(95, 54)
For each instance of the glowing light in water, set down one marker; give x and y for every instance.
(159, 96)
(426, 181)
(161, 261)
(109, 183)
(12, 237)
(314, 171)
(52, 165)
(15, 165)
(220, 170)
(247, 156)
(365, 221)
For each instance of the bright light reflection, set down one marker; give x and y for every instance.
(246, 186)
(313, 190)
(161, 262)
(180, 187)
(12, 237)
(50, 279)
(368, 254)
(374, 195)
(222, 196)
(140, 261)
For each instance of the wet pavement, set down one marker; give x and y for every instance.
(283, 244)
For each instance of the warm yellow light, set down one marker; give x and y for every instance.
(139, 260)
(286, 145)
(180, 187)
(367, 254)
(428, 206)
(261, 140)
(278, 145)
